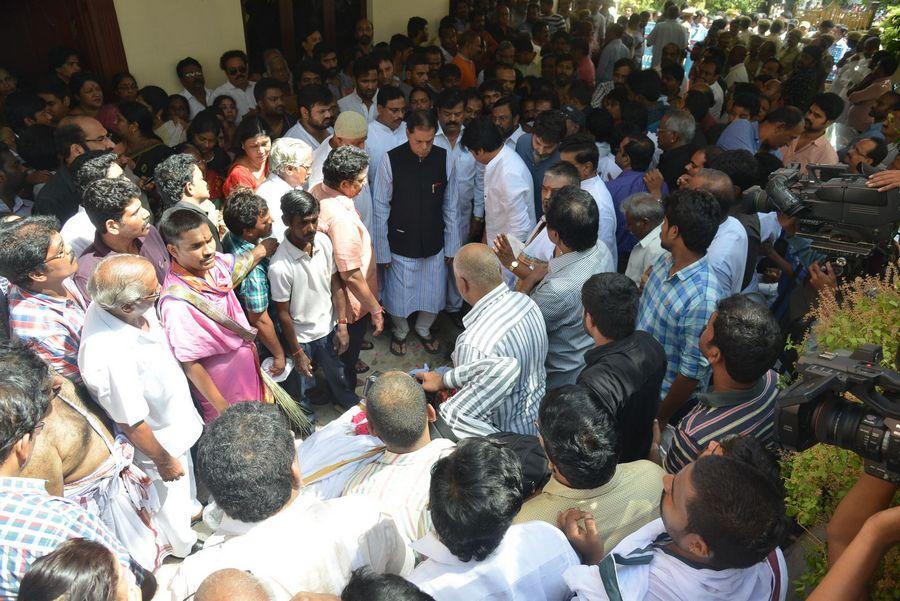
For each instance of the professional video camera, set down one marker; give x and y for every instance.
(835, 210)
(813, 410)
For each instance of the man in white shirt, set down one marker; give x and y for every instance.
(238, 86)
(722, 520)
(315, 105)
(350, 129)
(508, 184)
(294, 543)
(710, 69)
(643, 217)
(585, 156)
(475, 493)
(198, 96)
(129, 369)
(399, 415)
(737, 71)
(387, 131)
(362, 98)
(668, 31)
(290, 161)
(727, 253)
(309, 298)
(499, 357)
(505, 113)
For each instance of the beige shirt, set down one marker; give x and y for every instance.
(621, 506)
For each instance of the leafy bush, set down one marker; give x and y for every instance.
(818, 478)
(890, 34)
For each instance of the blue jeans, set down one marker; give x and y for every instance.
(322, 354)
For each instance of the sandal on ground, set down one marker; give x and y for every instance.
(431, 345)
(361, 367)
(398, 346)
(366, 345)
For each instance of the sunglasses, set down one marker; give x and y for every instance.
(236, 70)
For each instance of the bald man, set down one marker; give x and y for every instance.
(232, 585)
(399, 414)
(129, 369)
(498, 362)
(73, 137)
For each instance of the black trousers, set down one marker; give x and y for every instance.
(357, 331)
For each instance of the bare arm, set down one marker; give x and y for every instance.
(356, 283)
(266, 332)
(849, 577)
(142, 437)
(199, 377)
(681, 390)
(339, 301)
(283, 312)
(868, 496)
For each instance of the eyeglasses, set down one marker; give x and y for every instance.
(102, 138)
(63, 251)
(236, 70)
(193, 75)
(38, 428)
(151, 297)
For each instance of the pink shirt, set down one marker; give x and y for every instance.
(340, 221)
(820, 151)
(230, 362)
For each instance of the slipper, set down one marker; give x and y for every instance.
(398, 346)
(366, 345)
(430, 344)
(361, 367)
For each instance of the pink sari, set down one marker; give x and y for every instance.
(231, 361)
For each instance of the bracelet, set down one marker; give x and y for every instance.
(342, 321)
(297, 352)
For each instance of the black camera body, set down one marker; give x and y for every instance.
(836, 210)
(813, 409)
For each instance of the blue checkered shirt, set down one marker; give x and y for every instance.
(253, 291)
(674, 310)
(32, 524)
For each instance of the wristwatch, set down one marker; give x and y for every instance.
(514, 265)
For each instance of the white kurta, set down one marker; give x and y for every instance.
(135, 378)
(363, 200)
(353, 102)
(271, 190)
(299, 132)
(380, 140)
(413, 284)
(509, 196)
(607, 230)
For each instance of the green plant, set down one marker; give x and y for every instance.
(890, 31)
(818, 478)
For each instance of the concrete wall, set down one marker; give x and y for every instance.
(158, 33)
(390, 16)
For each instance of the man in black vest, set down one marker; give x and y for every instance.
(416, 231)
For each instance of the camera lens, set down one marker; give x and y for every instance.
(849, 426)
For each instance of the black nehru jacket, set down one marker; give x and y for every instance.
(416, 222)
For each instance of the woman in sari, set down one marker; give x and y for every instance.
(135, 125)
(253, 145)
(202, 317)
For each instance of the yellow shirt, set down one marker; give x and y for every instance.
(621, 506)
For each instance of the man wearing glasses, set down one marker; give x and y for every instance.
(238, 86)
(190, 73)
(73, 137)
(36, 523)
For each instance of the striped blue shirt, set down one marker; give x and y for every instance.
(499, 367)
(674, 309)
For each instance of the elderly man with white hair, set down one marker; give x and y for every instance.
(290, 161)
(643, 217)
(130, 371)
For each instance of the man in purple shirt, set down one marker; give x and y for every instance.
(633, 157)
(123, 226)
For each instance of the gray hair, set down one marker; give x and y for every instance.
(288, 152)
(682, 124)
(116, 281)
(344, 163)
(643, 205)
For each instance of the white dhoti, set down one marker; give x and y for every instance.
(177, 503)
(122, 496)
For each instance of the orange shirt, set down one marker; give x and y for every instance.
(467, 68)
(340, 221)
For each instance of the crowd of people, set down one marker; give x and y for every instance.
(569, 185)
